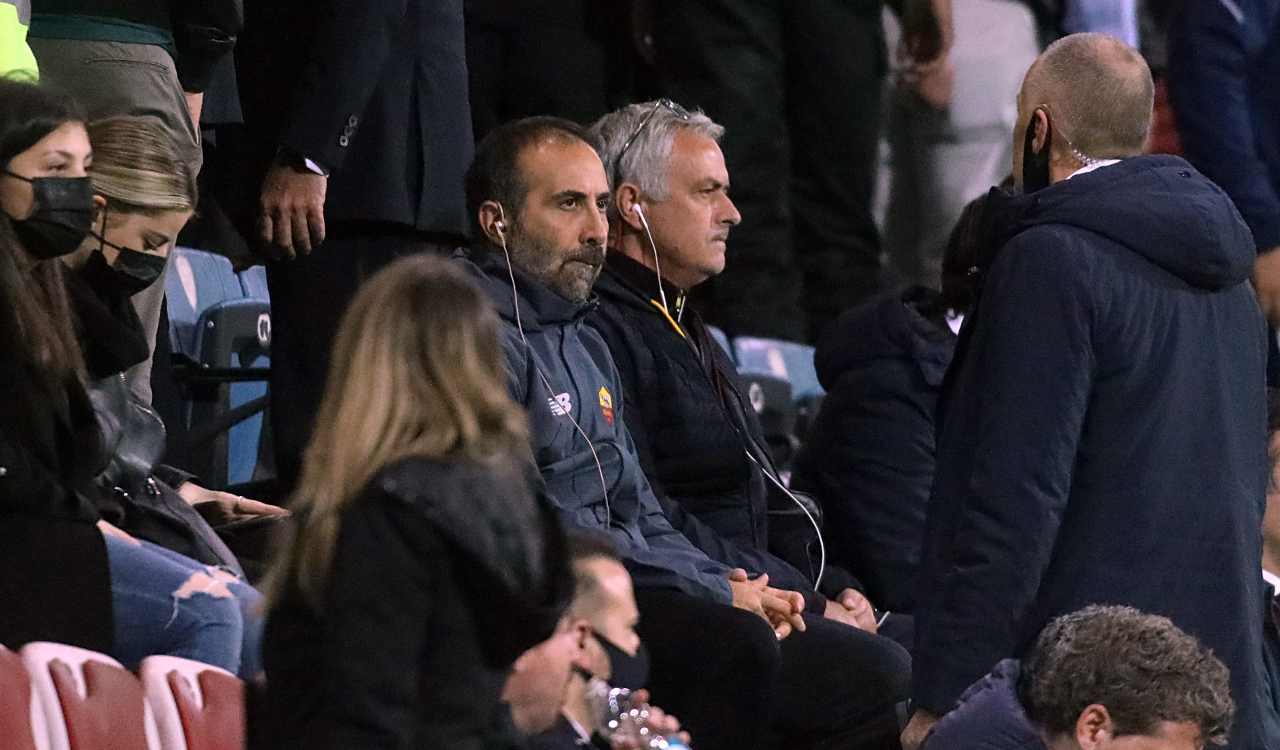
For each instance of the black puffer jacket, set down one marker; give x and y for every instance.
(869, 457)
(691, 423)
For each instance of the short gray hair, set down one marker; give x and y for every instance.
(647, 157)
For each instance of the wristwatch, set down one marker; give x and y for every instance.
(294, 160)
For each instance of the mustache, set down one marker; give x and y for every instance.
(590, 254)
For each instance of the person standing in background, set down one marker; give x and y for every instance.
(948, 151)
(138, 57)
(1224, 60)
(797, 87)
(357, 135)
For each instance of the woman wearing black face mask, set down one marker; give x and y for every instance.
(65, 574)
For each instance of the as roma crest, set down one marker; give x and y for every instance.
(606, 404)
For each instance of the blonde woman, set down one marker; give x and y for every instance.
(423, 563)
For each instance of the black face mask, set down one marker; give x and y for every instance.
(1035, 166)
(625, 670)
(134, 270)
(62, 217)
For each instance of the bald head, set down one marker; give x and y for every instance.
(1098, 91)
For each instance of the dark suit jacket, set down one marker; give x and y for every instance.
(373, 90)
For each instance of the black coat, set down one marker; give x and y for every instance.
(869, 456)
(1102, 431)
(444, 572)
(55, 583)
(690, 422)
(374, 90)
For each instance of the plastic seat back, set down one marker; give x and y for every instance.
(89, 701)
(197, 706)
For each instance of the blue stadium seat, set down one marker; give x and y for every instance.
(220, 326)
(253, 280)
(787, 360)
(721, 338)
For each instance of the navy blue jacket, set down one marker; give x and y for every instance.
(1101, 431)
(990, 717)
(1224, 64)
(869, 456)
(560, 368)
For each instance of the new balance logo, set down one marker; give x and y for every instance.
(561, 405)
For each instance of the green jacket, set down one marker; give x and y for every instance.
(15, 55)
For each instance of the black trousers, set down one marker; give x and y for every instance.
(722, 672)
(308, 297)
(797, 87)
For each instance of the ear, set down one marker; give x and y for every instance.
(99, 206)
(1094, 727)
(1040, 120)
(493, 222)
(626, 198)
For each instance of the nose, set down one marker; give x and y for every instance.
(596, 230)
(729, 214)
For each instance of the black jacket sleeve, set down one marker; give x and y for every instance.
(204, 31)
(1031, 360)
(353, 40)
(381, 582)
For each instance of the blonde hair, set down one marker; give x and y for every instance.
(136, 166)
(417, 370)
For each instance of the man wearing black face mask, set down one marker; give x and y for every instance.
(604, 616)
(1099, 426)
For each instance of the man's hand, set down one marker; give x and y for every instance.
(232, 507)
(658, 722)
(291, 217)
(781, 609)
(852, 608)
(921, 724)
(1266, 282)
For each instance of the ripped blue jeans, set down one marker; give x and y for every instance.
(165, 603)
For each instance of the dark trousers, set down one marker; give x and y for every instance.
(797, 87)
(722, 672)
(308, 297)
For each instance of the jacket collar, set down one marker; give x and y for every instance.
(539, 305)
(636, 284)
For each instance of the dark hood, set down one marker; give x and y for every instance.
(989, 716)
(889, 326)
(539, 306)
(509, 535)
(1159, 207)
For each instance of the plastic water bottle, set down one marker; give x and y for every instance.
(619, 716)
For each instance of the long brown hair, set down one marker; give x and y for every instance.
(417, 370)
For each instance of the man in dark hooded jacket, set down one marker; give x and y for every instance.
(1102, 427)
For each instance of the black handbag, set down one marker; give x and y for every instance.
(131, 496)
